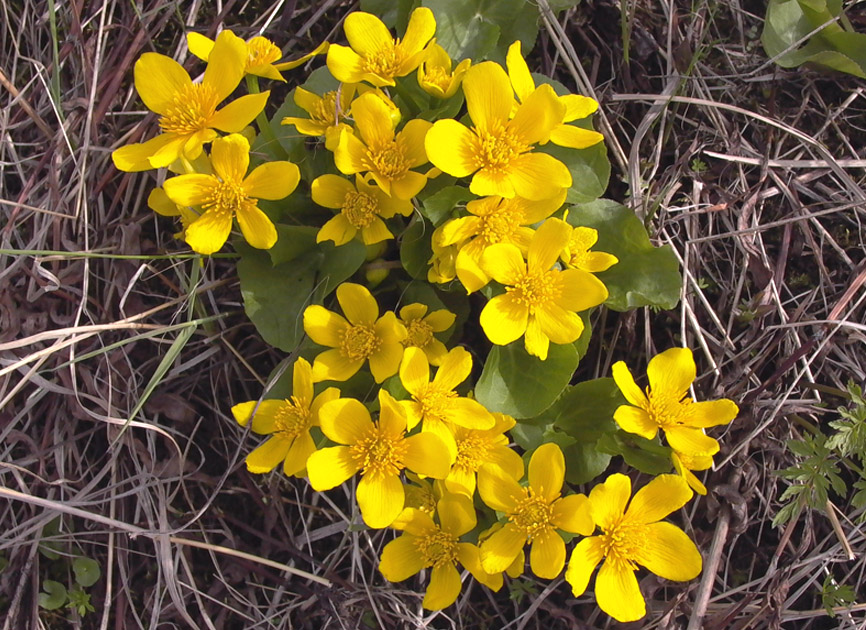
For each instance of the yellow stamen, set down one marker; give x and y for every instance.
(495, 150)
(435, 401)
(472, 452)
(624, 541)
(360, 209)
(386, 61)
(536, 289)
(359, 342)
(437, 548)
(419, 334)
(388, 159)
(379, 453)
(326, 110)
(532, 515)
(438, 76)
(191, 109)
(293, 418)
(500, 224)
(666, 409)
(262, 51)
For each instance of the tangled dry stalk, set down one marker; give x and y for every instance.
(120, 357)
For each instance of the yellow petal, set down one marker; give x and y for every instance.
(230, 157)
(296, 460)
(257, 228)
(504, 320)
(669, 553)
(411, 140)
(380, 498)
(366, 33)
(617, 592)
(426, 454)
(547, 554)
(488, 97)
(239, 113)
(345, 421)
(536, 342)
(272, 180)
(358, 304)
(440, 320)
(199, 45)
(456, 513)
(518, 72)
(657, 499)
(571, 514)
(330, 191)
(577, 106)
(574, 137)
(450, 146)
(580, 290)
(607, 500)
(636, 420)
(133, 158)
(386, 362)
(504, 263)
(470, 557)
(225, 64)
(444, 587)
(625, 381)
(345, 64)
(496, 182)
(401, 559)
(324, 327)
(501, 547)
(392, 415)
(456, 368)
(499, 490)
(331, 393)
(191, 190)
(264, 418)
(441, 430)
(414, 370)
(547, 244)
(671, 372)
(469, 413)
(691, 441)
(710, 413)
(350, 155)
(321, 49)
(421, 27)
(265, 457)
(507, 460)
(329, 467)
(585, 557)
(373, 119)
(557, 324)
(538, 176)
(407, 186)
(331, 365)
(209, 232)
(337, 229)
(158, 80)
(302, 379)
(547, 471)
(537, 116)
(170, 151)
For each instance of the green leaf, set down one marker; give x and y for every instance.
(390, 12)
(292, 241)
(645, 275)
(521, 385)
(86, 571)
(585, 411)
(589, 168)
(415, 249)
(439, 206)
(584, 462)
(648, 456)
(463, 27)
(54, 596)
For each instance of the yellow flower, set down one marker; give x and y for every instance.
(494, 220)
(380, 451)
(443, 261)
(632, 537)
(668, 406)
(420, 327)
(188, 111)
(498, 149)
(261, 58)
(159, 202)
(540, 301)
(685, 464)
(362, 208)
(476, 447)
(375, 56)
(576, 107)
(577, 255)
(288, 423)
(421, 494)
(426, 545)
(435, 76)
(230, 192)
(435, 402)
(364, 337)
(533, 514)
(387, 156)
(327, 113)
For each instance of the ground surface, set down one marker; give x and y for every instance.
(754, 174)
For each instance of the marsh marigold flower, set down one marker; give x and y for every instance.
(373, 55)
(576, 106)
(435, 76)
(188, 111)
(685, 464)
(379, 450)
(498, 148)
(288, 422)
(435, 403)
(533, 514)
(629, 537)
(364, 337)
(421, 326)
(387, 156)
(577, 252)
(327, 113)
(229, 192)
(476, 447)
(540, 301)
(493, 220)
(426, 545)
(362, 207)
(262, 55)
(667, 404)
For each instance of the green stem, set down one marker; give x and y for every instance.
(265, 129)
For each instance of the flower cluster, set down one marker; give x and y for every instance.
(486, 191)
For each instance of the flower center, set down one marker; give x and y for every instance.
(225, 197)
(419, 334)
(359, 342)
(191, 110)
(496, 150)
(438, 76)
(360, 209)
(435, 402)
(437, 548)
(471, 452)
(326, 110)
(388, 160)
(293, 418)
(379, 453)
(535, 290)
(623, 541)
(261, 52)
(532, 515)
(578, 247)
(385, 62)
(666, 409)
(501, 223)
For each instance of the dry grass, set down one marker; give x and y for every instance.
(119, 356)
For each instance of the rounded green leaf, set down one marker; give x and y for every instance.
(86, 571)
